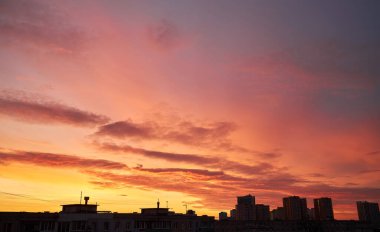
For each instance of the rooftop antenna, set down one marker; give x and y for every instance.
(158, 203)
(185, 207)
(80, 200)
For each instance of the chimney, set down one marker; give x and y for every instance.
(86, 200)
(158, 203)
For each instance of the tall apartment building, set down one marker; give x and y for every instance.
(245, 208)
(262, 212)
(323, 209)
(295, 208)
(368, 211)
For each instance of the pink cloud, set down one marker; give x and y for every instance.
(58, 160)
(25, 108)
(202, 160)
(211, 135)
(163, 35)
(39, 24)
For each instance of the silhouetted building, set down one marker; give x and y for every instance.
(368, 211)
(245, 208)
(223, 216)
(294, 226)
(295, 208)
(233, 214)
(79, 220)
(262, 212)
(278, 214)
(80, 208)
(323, 209)
(191, 212)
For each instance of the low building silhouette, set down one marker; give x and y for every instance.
(294, 226)
(85, 218)
(223, 216)
(233, 214)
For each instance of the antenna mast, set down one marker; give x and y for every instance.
(80, 200)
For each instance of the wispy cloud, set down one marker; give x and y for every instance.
(57, 160)
(163, 35)
(202, 160)
(29, 109)
(211, 135)
(39, 24)
(324, 64)
(174, 157)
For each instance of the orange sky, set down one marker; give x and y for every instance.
(190, 102)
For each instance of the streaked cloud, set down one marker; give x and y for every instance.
(163, 35)
(211, 135)
(38, 24)
(32, 109)
(57, 160)
(202, 160)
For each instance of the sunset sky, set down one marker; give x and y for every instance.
(192, 102)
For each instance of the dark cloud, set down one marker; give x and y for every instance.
(27, 108)
(268, 155)
(202, 172)
(373, 153)
(317, 175)
(163, 35)
(57, 160)
(338, 193)
(125, 129)
(324, 64)
(369, 171)
(210, 135)
(174, 157)
(39, 24)
(339, 62)
(202, 160)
